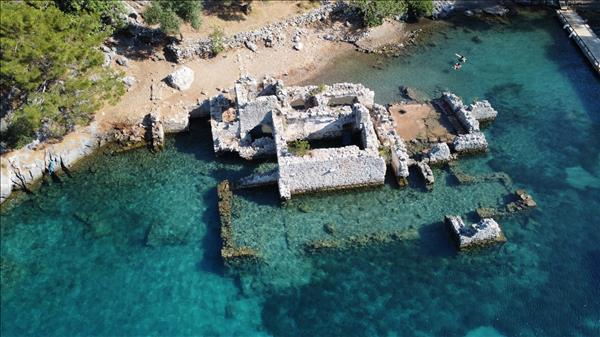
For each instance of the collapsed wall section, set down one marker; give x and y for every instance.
(388, 137)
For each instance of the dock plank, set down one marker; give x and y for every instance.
(583, 35)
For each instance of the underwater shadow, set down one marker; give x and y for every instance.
(211, 242)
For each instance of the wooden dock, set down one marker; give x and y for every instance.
(583, 35)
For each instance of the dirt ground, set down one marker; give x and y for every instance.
(420, 121)
(220, 72)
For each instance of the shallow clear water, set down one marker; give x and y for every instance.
(75, 259)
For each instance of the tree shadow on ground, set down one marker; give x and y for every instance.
(140, 43)
(236, 11)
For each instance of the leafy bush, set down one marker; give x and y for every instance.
(216, 38)
(319, 89)
(170, 13)
(417, 8)
(112, 13)
(51, 74)
(299, 147)
(374, 11)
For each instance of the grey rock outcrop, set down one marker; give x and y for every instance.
(181, 79)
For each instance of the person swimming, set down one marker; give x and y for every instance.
(461, 58)
(457, 66)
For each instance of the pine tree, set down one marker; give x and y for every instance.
(51, 68)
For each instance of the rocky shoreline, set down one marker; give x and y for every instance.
(21, 169)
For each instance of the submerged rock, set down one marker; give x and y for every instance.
(484, 232)
(11, 274)
(496, 10)
(181, 79)
(95, 226)
(161, 234)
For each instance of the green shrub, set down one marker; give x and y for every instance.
(374, 11)
(216, 38)
(170, 13)
(299, 147)
(385, 152)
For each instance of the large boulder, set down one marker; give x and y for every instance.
(181, 79)
(439, 154)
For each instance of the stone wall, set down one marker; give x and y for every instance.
(269, 35)
(329, 169)
(384, 127)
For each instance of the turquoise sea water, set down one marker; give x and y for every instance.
(76, 259)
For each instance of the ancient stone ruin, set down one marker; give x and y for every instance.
(332, 137)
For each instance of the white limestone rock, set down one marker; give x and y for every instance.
(129, 81)
(6, 183)
(181, 79)
(298, 46)
(439, 154)
(251, 45)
